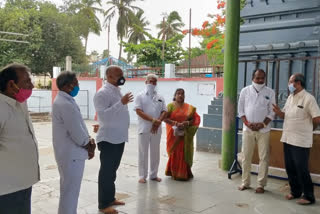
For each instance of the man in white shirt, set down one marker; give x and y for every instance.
(255, 110)
(113, 117)
(71, 142)
(19, 168)
(301, 116)
(151, 110)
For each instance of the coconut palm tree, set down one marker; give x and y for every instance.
(125, 10)
(85, 17)
(170, 26)
(137, 29)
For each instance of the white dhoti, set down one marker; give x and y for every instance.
(146, 141)
(71, 173)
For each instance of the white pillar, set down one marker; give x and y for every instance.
(56, 71)
(68, 63)
(103, 69)
(169, 71)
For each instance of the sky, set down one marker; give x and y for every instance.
(153, 10)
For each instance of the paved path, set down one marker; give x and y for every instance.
(210, 192)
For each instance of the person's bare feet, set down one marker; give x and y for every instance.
(303, 201)
(156, 179)
(109, 210)
(260, 190)
(117, 202)
(142, 181)
(290, 196)
(242, 187)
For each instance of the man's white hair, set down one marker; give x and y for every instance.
(111, 67)
(151, 76)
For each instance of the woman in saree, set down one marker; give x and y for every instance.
(182, 123)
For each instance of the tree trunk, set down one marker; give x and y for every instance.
(120, 49)
(85, 44)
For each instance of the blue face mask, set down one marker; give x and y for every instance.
(291, 88)
(75, 91)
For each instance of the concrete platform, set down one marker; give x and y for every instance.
(210, 192)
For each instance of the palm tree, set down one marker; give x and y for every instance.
(170, 26)
(137, 30)
(85, 17)
(124, 9)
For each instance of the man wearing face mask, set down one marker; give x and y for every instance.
(255, 111)
(301, 116)
(113, 118)
(18, 145)
(71, 142)
(151, 110)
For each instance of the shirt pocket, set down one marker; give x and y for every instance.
(297, 113)
(300, 112)
(263, 101)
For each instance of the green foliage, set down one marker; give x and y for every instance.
(84, 18)
(105, 54)
(195, 52)
(125, 11)
(170, 26)
(137, 28)
(51, 37)
(149, 52)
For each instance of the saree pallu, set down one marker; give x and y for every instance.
(181, 158)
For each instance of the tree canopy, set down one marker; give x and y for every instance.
(47, 30)
(149, 52)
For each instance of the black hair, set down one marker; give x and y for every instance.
(257, 70)
(9, 73)
(175, 93)
(298, 77)
(65, 78)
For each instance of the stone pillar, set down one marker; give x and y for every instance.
(68, 63)
(169, 71)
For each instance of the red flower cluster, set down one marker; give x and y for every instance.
(195, 32)
(205, 24)
(210, 44)
(221, 20)
(221, 4)
(184, 32)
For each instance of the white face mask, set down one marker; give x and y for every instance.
(150, 88)
(258, 87)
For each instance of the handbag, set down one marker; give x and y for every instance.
(177, 131)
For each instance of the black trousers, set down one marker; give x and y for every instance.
(297, 167)
(110, 158)
(16, 203)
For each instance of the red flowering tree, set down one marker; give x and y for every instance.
(212, 32)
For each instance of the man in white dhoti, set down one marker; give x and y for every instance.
(151, 110)
(71, 142)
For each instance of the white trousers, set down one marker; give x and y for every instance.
(249, 140)
(71, 173)
(146, 141)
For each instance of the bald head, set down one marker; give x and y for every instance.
(114, 73)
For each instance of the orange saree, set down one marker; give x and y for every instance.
(181, 155)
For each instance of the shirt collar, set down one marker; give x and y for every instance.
(254, 89)
(8, 100)
(147, 93)
(65, 95)
(109, 85)
(300, 93)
